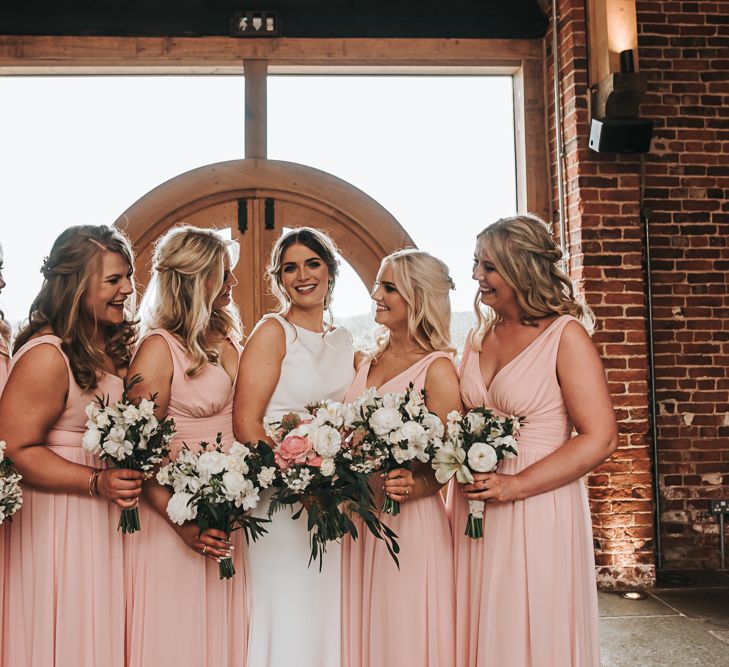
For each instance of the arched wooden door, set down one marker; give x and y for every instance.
(256, 200)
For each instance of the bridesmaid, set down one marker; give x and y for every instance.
(292, 358)
(406, 616)
(526, 591)
(65, 594)
(179, 611)
(5, 333)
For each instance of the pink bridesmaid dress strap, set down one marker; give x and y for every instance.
(46, 339)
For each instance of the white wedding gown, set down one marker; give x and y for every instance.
(295, 609)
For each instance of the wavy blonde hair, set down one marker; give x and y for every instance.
(319, 243)
(178, 298)
(526, 257)
(74, 257)
(425, 284)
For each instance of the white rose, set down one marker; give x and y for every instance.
(433, 425)
(327, 441)
(482, 457)
(91, 440)
(179, 508)
(402, 454)
(211, 463)
(414, 433)
(327, 467)
(233, 484)
(384, 420)
(476, 423)
(146, 408)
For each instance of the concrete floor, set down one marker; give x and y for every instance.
(679, 624)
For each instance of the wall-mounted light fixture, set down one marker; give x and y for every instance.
(615, 96)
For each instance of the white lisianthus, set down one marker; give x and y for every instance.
(392, 400)
(102, 420)
(117, 449)
(507, 441)
(450, 460)
(150, 426)
(482, 457)
(327, 441)
(131, 414)
(211, 463)
(163, 476)
(179, 508)
(92, 440)
(368, 399)
(146, 408)
(414, 406)
(327, 467)
(249, 497)
(349, 415)
(117, 433)
(476, 423)
(266, 476)
(384, 420)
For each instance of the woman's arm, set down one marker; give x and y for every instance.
(259, 370)
(587, 399)
(442, 395)
(32, 402)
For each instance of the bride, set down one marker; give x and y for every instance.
(292, 358)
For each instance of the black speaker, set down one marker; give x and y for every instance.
(621, 135)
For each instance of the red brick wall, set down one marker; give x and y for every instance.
(684, 50)
(605, 244)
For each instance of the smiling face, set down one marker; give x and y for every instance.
(495, 291)
(304, 276)
(392, 309)
(226, 291)
(109, 286)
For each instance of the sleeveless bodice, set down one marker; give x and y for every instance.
(527, 386)
(415, 374)
(71, 425)
(202, 404)
(316, 366)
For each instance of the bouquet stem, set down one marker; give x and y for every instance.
(225, 568)
(391, 506)
(129, 520)
(474, 527)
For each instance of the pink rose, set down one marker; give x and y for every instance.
(293, 449)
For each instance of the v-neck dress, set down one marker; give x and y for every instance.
(402, 617)
(526, 593)
(65, 586)
(179, 611)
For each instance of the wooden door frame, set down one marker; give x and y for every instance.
(523, 59)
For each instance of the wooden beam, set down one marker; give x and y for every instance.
(256, 116)
(21, 54)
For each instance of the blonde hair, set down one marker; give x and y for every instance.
(424, 283)
(319, 243)
(526, 257)
(178, 298)
(66, 271)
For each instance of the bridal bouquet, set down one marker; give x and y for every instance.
(475, 442)
(11, 497)
(314, 461)
(217, 489)
(129, 436)
(393, 431)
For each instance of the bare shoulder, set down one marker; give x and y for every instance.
(575, 340)
(46, 356)
(442, 370)
(268, 336)
(154, 351)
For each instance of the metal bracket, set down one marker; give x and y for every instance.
(268, 215)
(242, 216)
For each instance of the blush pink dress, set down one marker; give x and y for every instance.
(179, 611)
(65, 585)
(4, 544)
(526, 593)
(405, 617)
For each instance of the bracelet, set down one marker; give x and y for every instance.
(94, 482)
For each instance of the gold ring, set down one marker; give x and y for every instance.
(205, 548)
